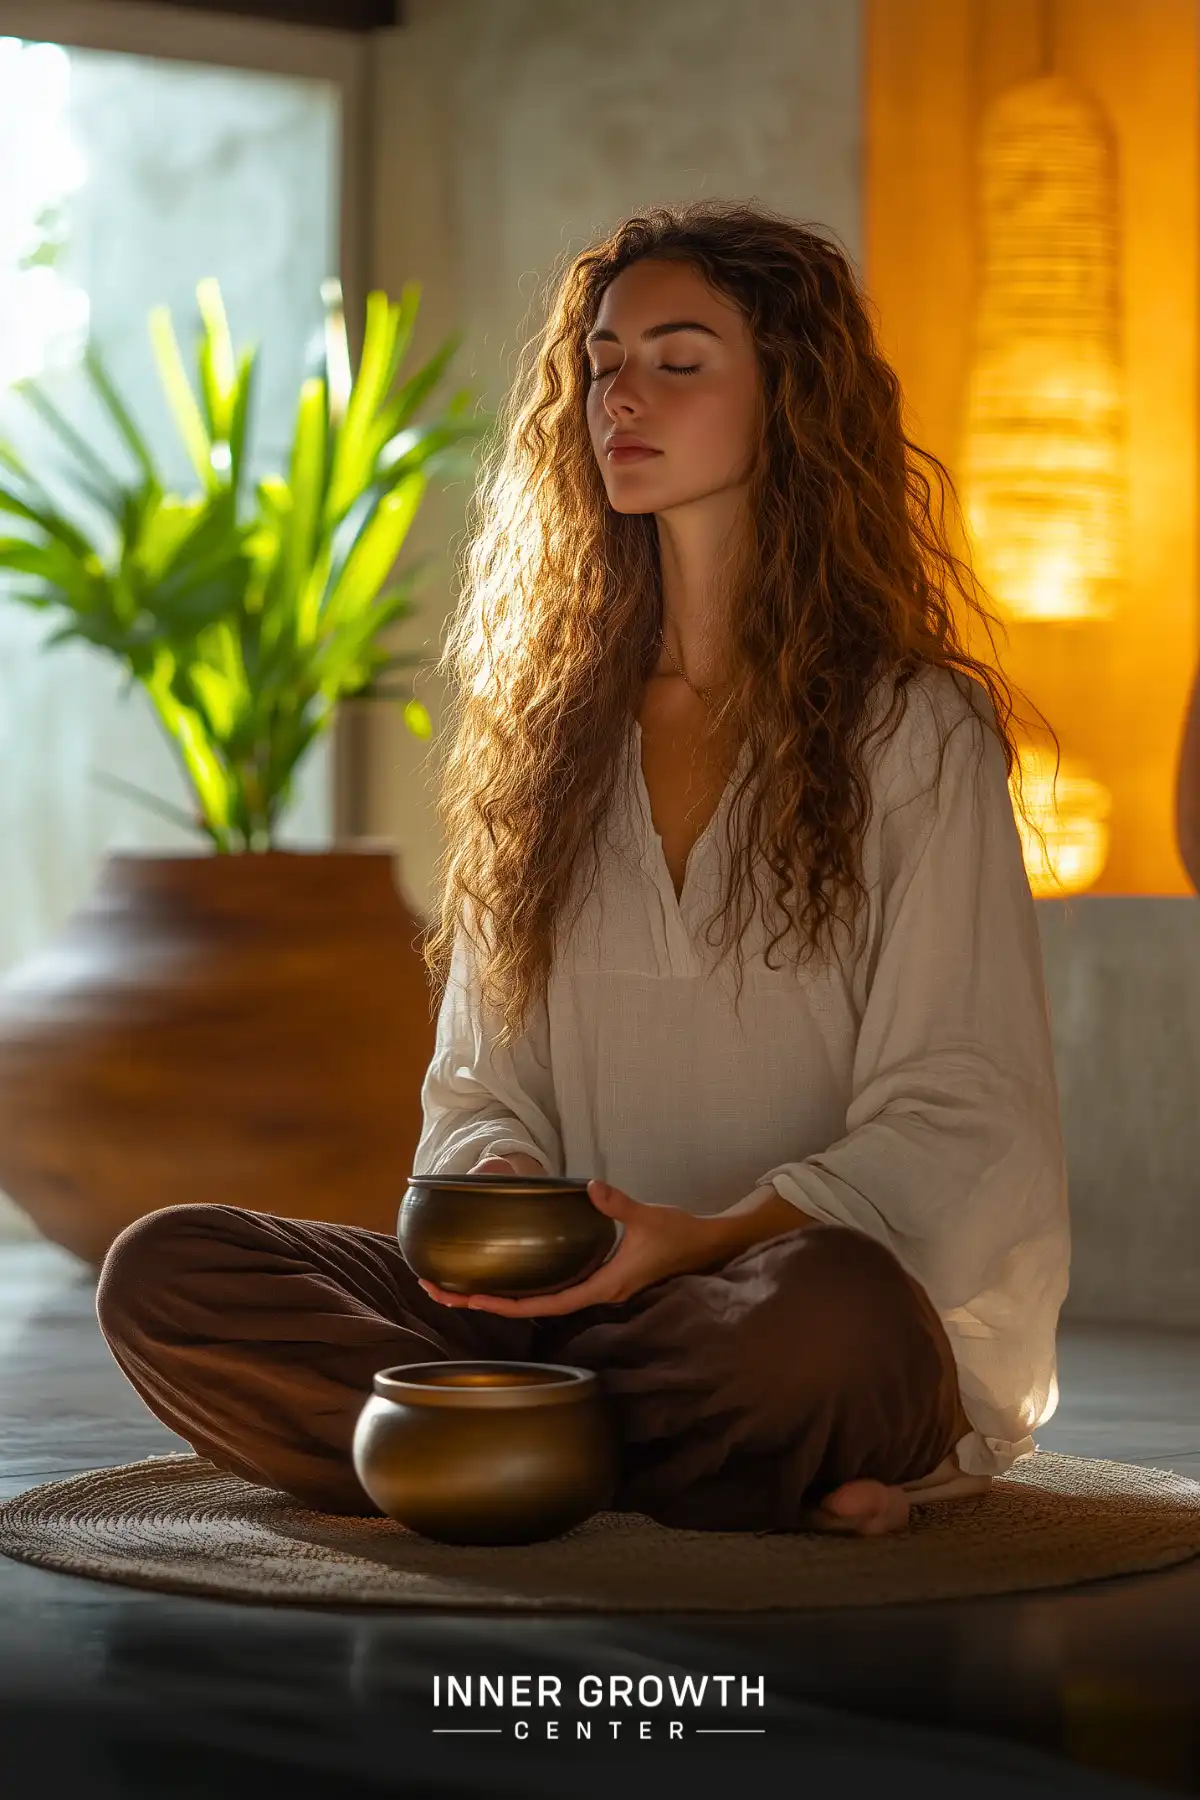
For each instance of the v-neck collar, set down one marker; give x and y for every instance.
(677, 904)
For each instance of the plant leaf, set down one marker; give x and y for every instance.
(375, 550)
(217, 362)
(418, 720)
(77, 446)
(351, 455)
(163, 808)
(240, 418)
(178, 389)
(186, 728)
(308, 499)
(47, 519)
(118, 413)
(417, 389)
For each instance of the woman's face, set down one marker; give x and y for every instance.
(690, 391)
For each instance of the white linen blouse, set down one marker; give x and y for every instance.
(906, 1089)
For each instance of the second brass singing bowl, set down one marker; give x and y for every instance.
(513, 1235)
(487, 1452)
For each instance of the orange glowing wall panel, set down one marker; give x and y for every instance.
(1114, 693)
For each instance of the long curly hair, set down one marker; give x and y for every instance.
(849, 576)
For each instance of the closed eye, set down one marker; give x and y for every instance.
(668, 368)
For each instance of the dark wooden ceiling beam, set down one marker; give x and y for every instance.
(333, 15)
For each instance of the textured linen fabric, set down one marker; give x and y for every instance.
(905, 1088)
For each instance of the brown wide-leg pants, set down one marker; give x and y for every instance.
(741, 1396)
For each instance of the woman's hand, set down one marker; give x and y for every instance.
(658, 1241)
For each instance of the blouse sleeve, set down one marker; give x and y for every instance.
(952, 1154)
(478, 1098)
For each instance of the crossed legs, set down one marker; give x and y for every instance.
(810, 1367)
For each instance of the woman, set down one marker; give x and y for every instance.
(706, 627)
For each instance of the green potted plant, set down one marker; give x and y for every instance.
(243, 1023)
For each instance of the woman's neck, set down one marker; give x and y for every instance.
(696, 559)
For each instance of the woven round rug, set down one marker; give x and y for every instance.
(180, 1525)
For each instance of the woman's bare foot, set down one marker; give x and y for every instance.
(865, 1508)
(861, 1509)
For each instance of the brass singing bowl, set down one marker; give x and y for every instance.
(514, 1235)
(487, 1452)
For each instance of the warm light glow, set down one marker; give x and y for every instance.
(1073, 814)
(1043, 461)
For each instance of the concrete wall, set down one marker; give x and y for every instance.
(509, 134)
(1123, 975)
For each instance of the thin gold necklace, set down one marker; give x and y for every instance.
(700, 693)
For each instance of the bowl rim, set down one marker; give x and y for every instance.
(577, 1383)
(482, 1184)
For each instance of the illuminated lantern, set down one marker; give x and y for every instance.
(1072, 813)
(1043, 462)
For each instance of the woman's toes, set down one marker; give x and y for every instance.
(864, 1508)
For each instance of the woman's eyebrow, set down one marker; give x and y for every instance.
(655, 331)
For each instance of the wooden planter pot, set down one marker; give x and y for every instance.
(248, 1029)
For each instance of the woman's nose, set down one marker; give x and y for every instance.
(625, 391)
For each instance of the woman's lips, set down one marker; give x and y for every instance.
(630, 453)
